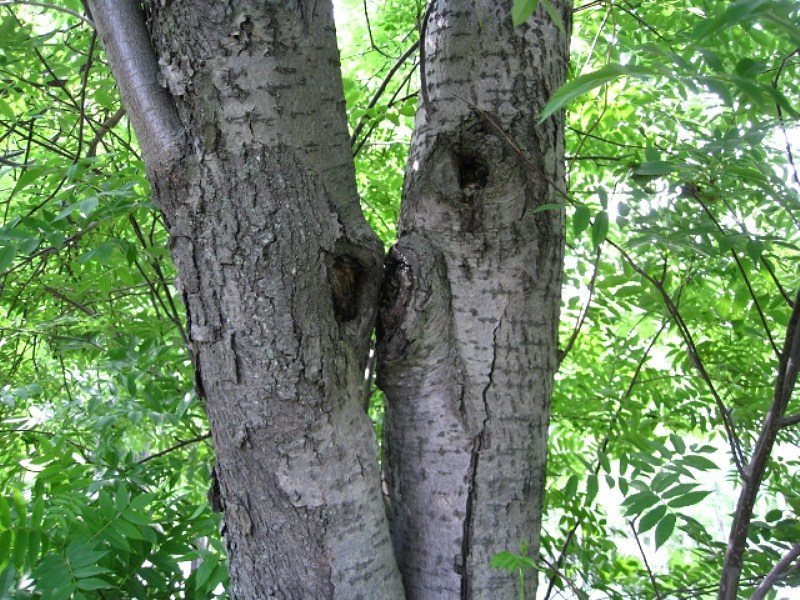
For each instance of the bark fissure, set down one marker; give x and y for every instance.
(280, 276)
(483, 347)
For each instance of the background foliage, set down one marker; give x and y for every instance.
(683, 215)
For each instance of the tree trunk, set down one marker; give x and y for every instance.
(279, 274)
(469, 310)
(239, 111)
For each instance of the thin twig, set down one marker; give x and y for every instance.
(62, 9)
(177, 446)
(603, 449)
(694, 355)
(101, 131)
(646, 564)
(788, 421)
(571, 583)
(693, 192)
(585, 310)
(382, 88)
(369, 30)
(81, 307)
(779, 110)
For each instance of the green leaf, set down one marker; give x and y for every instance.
(648, 521)
(554, 16)
(640, 501)
(698, 462)
(677, 443)
(20, 507)
(754, 249)
(571, 488)
(7, 256)
(605, 464)
(664, 529)
(521, 11)
(6, 110)
(599, 228)
(20, 548)
(653, 168)
(34, 545)
(93, 583)
(687, 499)
(679, 490)
(580, 220)
(37, 514)
(544, 207)
(80, 553)
(207, 567)
(89, 571)
(5, 545)
(121, 497)
(591, 488)
(571, 90)
(505, 560)
(774, 515)
(5, 513)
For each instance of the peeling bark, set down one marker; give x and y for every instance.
(469, 310)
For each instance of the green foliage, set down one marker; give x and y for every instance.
(683, 205)
(516, 564)
(97, 381)
(683, 213)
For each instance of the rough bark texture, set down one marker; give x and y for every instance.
(469, 309)
(280, 276)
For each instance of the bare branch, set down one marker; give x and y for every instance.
(122, 28)
(774, 575)
(382, 88)
(180, 444)
(646, 564)
(773, 422)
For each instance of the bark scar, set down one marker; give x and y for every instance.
(345, 283)
(395, 296)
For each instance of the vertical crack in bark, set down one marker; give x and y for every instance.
(480, 442)
(477, 445)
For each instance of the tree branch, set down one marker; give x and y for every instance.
(62, 9)
(382, 88)
(646, 564)
(774, 575)
(122, 28)
(177, 446)
(694, 355)
(773, 422)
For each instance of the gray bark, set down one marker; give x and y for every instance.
(240, 114)
(279, 274)
(469, 310)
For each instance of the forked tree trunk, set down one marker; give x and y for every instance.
(239, 111)
(467, 328)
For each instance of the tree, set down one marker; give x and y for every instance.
(248, 156)
(681, 261)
